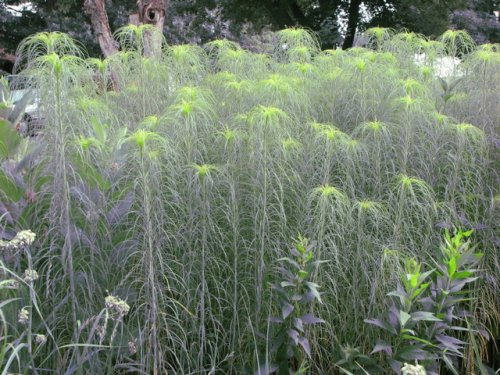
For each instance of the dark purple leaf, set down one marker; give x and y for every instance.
(266, 369)
(444, 225)
(308, 297)
(450, 302)
(439, 326)
(381, 324)
(450, 343)
(305, 345)
(294, 335)
(310, 319)
(427, 303)
(396, 366)
(401, 294)
(479, 226)
(291, 261)
(286, 310)
(286, 273)
(274, 319)
(425, 316)
(313, 289)
(294, 252)
(382, 346)
(278, 288)
(459, 284)
(413, 353)
(297, 323)
(394, 317)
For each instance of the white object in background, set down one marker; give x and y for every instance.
(443, 66)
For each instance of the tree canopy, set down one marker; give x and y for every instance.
(198, 21)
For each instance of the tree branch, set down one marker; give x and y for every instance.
(96, 10)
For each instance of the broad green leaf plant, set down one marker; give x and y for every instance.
(428, 309)
(296, 294)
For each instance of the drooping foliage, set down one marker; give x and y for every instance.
(163, 209)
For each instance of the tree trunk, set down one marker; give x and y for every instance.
(280, 18)
(96, 10)
(298, 15)
(150, 12)
(286, 13)
(352, 23)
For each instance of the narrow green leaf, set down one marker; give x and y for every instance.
(9, 188)
(449, 364)
(9, 139)
(416, 338)
(452, 266)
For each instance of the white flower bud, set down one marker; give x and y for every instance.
(408, 369)
(40, 339)
(30, 276)
(23, 316)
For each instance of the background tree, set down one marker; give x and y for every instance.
(151, 12)
(428, 17)
(198, 21)
(62, 15)
(479, 20)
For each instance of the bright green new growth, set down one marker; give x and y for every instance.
(173, 180)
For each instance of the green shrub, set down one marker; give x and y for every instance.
(296, 294)
(429, 308)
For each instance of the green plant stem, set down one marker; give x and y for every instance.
(149, 264)
(61, 172)
(204, 238)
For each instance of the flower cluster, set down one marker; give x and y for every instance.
(117, 307)
(22, 239)
(23, 316)
(408, 369)
(40, 339)
(132, 347)
(11, 284)
(30, 276)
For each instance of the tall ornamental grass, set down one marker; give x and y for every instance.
(165, 190)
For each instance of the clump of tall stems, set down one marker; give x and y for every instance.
(171, 181)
